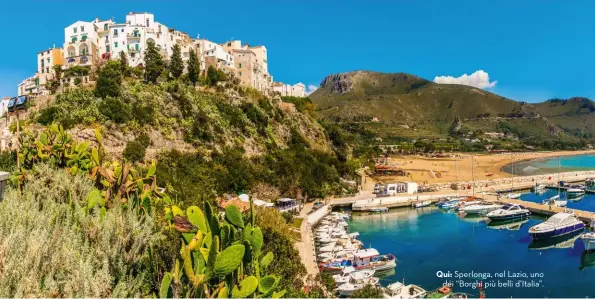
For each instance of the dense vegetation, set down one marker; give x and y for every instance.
(395, 108)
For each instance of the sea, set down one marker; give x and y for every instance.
(550, 165)
(435, 248)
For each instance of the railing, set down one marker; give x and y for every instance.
(133, 50)
(133, 35)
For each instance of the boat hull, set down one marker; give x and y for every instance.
(589, 244)
(509, 217)
(558, 231)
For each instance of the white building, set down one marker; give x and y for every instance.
(29, 86)
(224, 60)
(286, 90)
(80, 44)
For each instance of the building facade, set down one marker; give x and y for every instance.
(80, 44)
(46, 60)
(286, 90)
(28, 86)
(251, 65)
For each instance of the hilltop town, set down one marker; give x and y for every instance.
(91, 43)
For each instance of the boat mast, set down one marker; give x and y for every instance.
(559, 177)
(512, 179)
(457, 172)
(473, 174)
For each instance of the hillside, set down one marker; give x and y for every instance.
(406, 106)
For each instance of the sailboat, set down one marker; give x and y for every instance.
(555, 200)
(512, 195)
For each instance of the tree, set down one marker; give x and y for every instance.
(115, 110)
(123, 63)
(193, 68)
(212, 76)
(154, 64)
(134, 151)
(369, 291)
(110, 78)
(176, 66)
(58, 71)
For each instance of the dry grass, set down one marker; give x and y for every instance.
(51, 248)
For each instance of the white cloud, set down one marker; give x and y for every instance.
(310, 89)
(479, 79)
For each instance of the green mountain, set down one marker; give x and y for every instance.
(401, 105)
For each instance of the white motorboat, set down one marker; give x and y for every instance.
(513, 195)
(349, 273)
(539, 188)
(398, 290)
(589, 241)
(509, 212)
(555, 201)
(330, 248)
(558, 225)
(421, 204)
(480, 209)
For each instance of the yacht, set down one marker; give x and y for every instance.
(509, 212)
(558, 225)
(350, 273)
(480, 208)
(589, 239)
(398, 290)
(574, 193)
(555, 201)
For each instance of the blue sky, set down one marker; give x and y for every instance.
(535, 50)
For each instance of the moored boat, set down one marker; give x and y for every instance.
(363, 259)
(378, 210)
(421, 204)
(539, 188)
(509, 212)
(557, 225)
(398, 290)
(480, 209)
(350, 273)
(555, 201)
(513, 195)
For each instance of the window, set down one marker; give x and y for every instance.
(82, 28)
(48, 60)
(122, 30)
(115, 44)
(240, 66)
(47, 69)
(74, 29)
(42, 70)
(240, 73)
(147, 22)
(229, 44)
(105, 27)
(132, 55)
(115, 32)
(107, 49)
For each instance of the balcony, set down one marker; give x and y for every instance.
(133, 50)
(134, 35)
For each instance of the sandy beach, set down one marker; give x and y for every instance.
(426, 170)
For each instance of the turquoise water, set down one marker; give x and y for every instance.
(585, 203)
(550, 165)
(429, 240)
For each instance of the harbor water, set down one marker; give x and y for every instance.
(550, 165)
(584, 203)
(434, 247)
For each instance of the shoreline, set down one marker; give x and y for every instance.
(458, 166)
(592, 152)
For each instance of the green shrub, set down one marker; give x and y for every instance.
(8, 161)
(134, 151)
(115, 110)
(109, 80)
(54, 249)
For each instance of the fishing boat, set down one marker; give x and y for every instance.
(507, 225)
(349, 273)
(449, 204)
(398, 290)
(480, 209)
(574, 193)
(555, 201)
(363, 259)
(509, 212)
(557, 225)
(421, 204)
